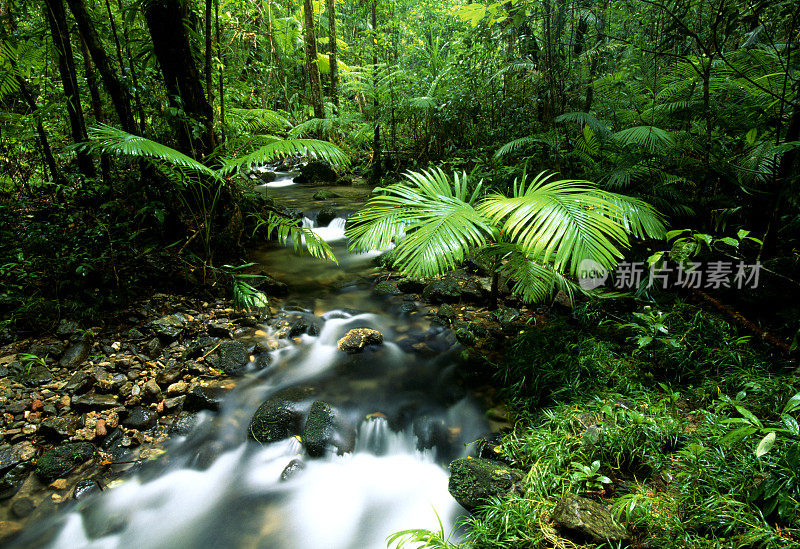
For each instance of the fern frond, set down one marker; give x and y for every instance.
(255, 120)
(289, 147)
(650, 138)
(113, 141)
(289, 233)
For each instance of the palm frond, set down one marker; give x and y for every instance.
(430, 219)
(289, 147)
(586, 119)
(564, 222)
(255, 120)
(534, 281)
(113, 141)
(289, 233)
(650, 138)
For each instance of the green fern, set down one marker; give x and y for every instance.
(284, 148)
(289, 233)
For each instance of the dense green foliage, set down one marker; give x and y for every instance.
(128, 129)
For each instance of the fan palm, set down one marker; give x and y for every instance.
(204, 184)
(539, 234)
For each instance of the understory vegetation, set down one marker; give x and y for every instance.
(548, 140)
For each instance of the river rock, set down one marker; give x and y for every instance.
(411, 285)
(386, 288)
(585, 518)
(80, 382)
(59, 428)
(62, 460)
(13, 479)
(152, 348)
(75, 355)
(291, 470)
(22, 507)
(281, 415)
(294, 323)
(34, 375)
(151, 392)
(169, 376)
(168, 328)
(324, 428)
(451, 289)
(325, 216)
(324, 194)
(231, 357)
(357, 339)
(19, 453)
(204, 398)
(217, 329)
(316, 172)
(474, 481)
(141, 419)
(177, 388)
(94, 401)
(66, 328)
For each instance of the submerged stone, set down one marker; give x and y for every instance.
(291, 470)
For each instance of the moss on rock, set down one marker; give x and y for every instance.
(474, 481)
(60, 461)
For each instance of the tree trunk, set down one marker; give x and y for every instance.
(112, 83)
(330, 5)
(312, 67)
(166, 21)
(377, 168)
(57, 18)
(207, 68)
(97, 105)
(134, 78)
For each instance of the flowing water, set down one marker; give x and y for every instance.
(220, 490)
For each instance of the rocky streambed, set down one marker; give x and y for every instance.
(328, 419)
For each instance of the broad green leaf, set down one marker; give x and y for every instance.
(766, 444)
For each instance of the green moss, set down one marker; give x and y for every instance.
(60, 461)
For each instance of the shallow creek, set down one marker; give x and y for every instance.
(220, 490)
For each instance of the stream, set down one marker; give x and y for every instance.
(219, 489)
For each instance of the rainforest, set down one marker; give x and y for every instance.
(326, 274)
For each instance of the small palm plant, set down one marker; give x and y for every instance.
(538, 236)
(200, 186)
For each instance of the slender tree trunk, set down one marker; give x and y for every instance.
(377, 167)
(97, 105)
(112, 83)
(207, 69)
(312, 68)
(166, 21)
(57, 18)
(132, 68)
(330, 5)
(221, 82)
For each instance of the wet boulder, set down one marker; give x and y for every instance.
(325, 216)
(474, 481)
(231, 357)
(443, 290)
(324, 429)
(168, 328)
(281, 415)
(358, 339)
(291, 470)
(140, 418)
(324, 194)
(75, 355)
(295, 323)
(34, 375)
(58, 428)
(586, 519)
(204, 398)
(386, 288)
(316, 172)
(269, 285)
(61, 460)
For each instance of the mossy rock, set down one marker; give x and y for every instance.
(473, 482)
(60, 461)
(281, 415)
(325, 429)
(358, 339)
(386, 288)
(324, 195)
(444, 290)
(587, 519)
